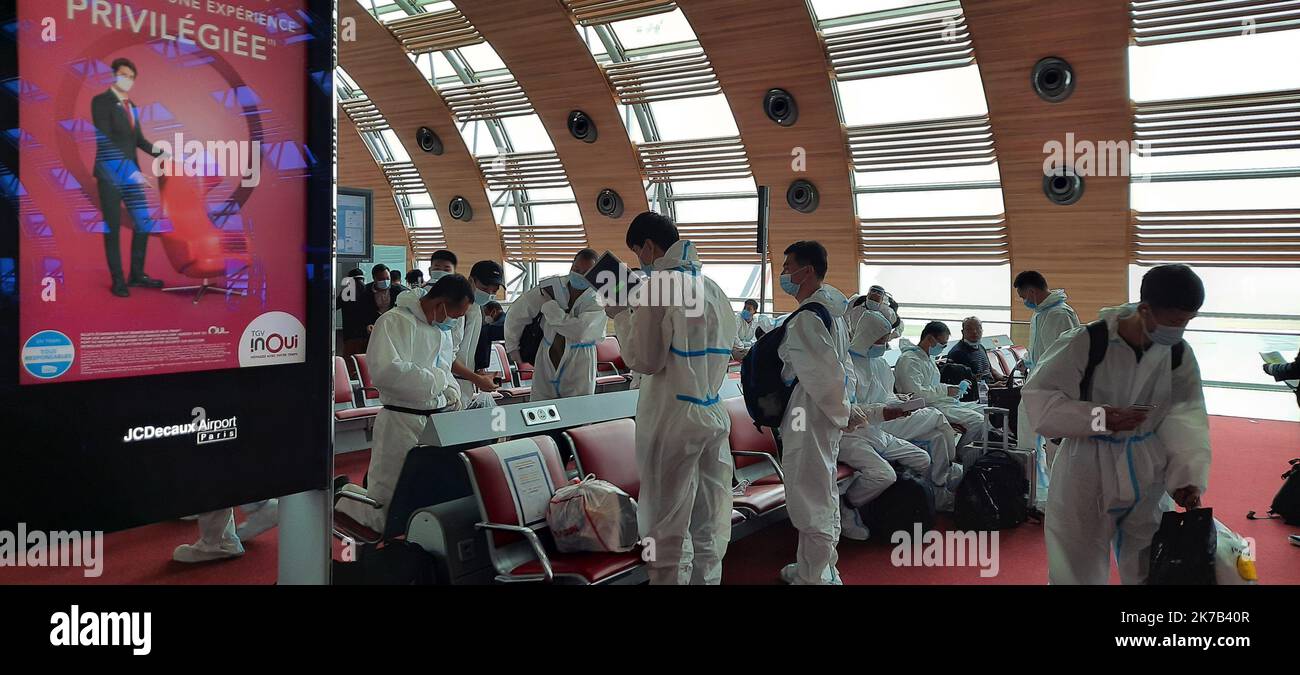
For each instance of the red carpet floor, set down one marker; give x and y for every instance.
(1249, 457)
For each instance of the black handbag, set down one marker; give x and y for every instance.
(1183, 549)
(531, 339)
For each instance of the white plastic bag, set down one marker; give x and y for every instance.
(1234, 562)
(592, 516)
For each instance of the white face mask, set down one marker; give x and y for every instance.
(124, 84)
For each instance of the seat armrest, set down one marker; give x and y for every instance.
(531, 537)
(776, 466)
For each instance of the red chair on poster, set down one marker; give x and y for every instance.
(197, 248)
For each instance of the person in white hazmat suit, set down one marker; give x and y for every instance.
(879, 300)
(750, 325)
(677, 333)
(410, 357)
(486, 278)
(820, 410)
(922, 441)
(1052, 318)
(573, 321)
(1139, 435)
(916, 374)
(218, 536)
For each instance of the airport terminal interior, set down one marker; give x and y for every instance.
(924, 269)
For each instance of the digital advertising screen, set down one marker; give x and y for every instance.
(162, 150)
(355, 210)
(166, 183)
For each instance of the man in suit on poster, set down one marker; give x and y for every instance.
(119, 136)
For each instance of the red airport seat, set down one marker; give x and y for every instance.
(608, 451)
(520, 551)
(345, 407)
(609, 358)
(754, 453)
(510, 387)
(368, 389)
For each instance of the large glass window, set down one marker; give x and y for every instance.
(1218, 187)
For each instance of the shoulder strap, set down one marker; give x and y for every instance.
(1098, 337)
(816, 308)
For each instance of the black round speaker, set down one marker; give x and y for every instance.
(802, 196)
(1063, 187)
(1053, 79)
(428, 141)
(460, 209)
(609, 203)
(582, 127)
(780, 107)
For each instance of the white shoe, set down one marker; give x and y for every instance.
(790, 573)
(190, 518)
(260, 520)
(851, 525)
(835, 577)
(200, 552)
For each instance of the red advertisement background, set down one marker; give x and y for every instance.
(180, 88)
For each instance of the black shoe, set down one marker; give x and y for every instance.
(119, 289)
(144, 281)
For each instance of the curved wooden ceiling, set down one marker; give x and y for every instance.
(538, 42)
(755, 46)
(1083, 247)
(378, 63)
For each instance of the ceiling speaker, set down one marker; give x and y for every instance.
(609, 203)
(460, 209)
(802, 196)
(428, 141)
(582, 127)
(1053, 79)
(1063, 187)
(780, 107)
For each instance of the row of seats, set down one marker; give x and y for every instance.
(516, 377)
(607, 450)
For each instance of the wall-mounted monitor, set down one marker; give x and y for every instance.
(356, 228)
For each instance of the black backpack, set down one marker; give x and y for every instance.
(956, 373)
(1098, 340)
(531, 339)
(908, 501)
(1183, 549)
(766, 394)
(993, 494)
(1286, 504)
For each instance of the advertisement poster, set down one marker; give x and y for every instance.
(163, 173)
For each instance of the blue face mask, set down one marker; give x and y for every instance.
(435, 275)
(937, 350)
(877, 351)
(381, 285)
(481, 297)
(746, 315)
(1031, 305)
(1166, 335)
(789, 286)
(578, 282)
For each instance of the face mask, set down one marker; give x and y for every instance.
(1031, 304)
(877, 351)
(789, 286)
(873, 305)
(747, 315)
(1166, 335)
(481, 297)
(972, 343)
(381, 285)
(435, 275)
(937, 350)
(124, 84)
(578, 282)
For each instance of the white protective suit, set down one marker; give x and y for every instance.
(410, 364)
(682, 350)
(817, 414)
(916, 374)
(1107, 488)
(465, 340)
(581, 328)
(923, 441)
(745, 330)
(1051, 319)
(854, 315)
